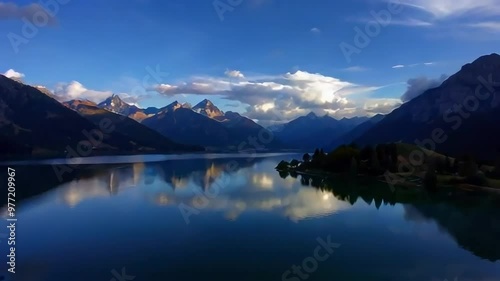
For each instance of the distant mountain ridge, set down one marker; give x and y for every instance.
(356, 132)
(312, 131)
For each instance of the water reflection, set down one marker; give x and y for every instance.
(473, 220)
(236, 187)
(475, 229)
(231, 186)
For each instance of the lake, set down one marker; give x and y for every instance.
(233, 217)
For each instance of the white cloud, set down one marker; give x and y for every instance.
(75, 90)
(315, 30)
(368, 107)
(417, 86)
(403, 21)
(277, 98)
(412, 22)
(11, 73)
(9, 10)
(493, 26)
(355, 69)
(443, 9)
(413, 65)
(451, 14)
(234, 74)
(381, 106)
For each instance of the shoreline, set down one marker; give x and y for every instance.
(134, 158)
(406, 184)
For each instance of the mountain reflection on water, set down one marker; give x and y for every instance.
(248, 192)
(473, 220)
(188, 182)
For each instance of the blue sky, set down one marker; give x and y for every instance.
(272, 60)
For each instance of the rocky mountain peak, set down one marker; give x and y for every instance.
(207, 108)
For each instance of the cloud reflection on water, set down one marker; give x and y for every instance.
(250, 188)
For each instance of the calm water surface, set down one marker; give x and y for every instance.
(228, 218)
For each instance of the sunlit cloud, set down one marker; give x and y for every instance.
(277, 98)
(76, 90)
(11, 73)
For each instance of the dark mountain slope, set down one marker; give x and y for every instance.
(35, 123)
(464, 107)
(244, 128)
(186, 126)
(141, 135)
(355, 133)
(210, 127)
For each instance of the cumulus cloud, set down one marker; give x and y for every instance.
(276, 98)
(367, 107)
(11, 73)
(234, 74)
(381, 106)
(32, 12)
(75, 90)
(417, 86)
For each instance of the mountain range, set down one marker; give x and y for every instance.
(33, 123)
(356, 132)
(204, 124)
(312, 131)
(126, 126)
(459, 116)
